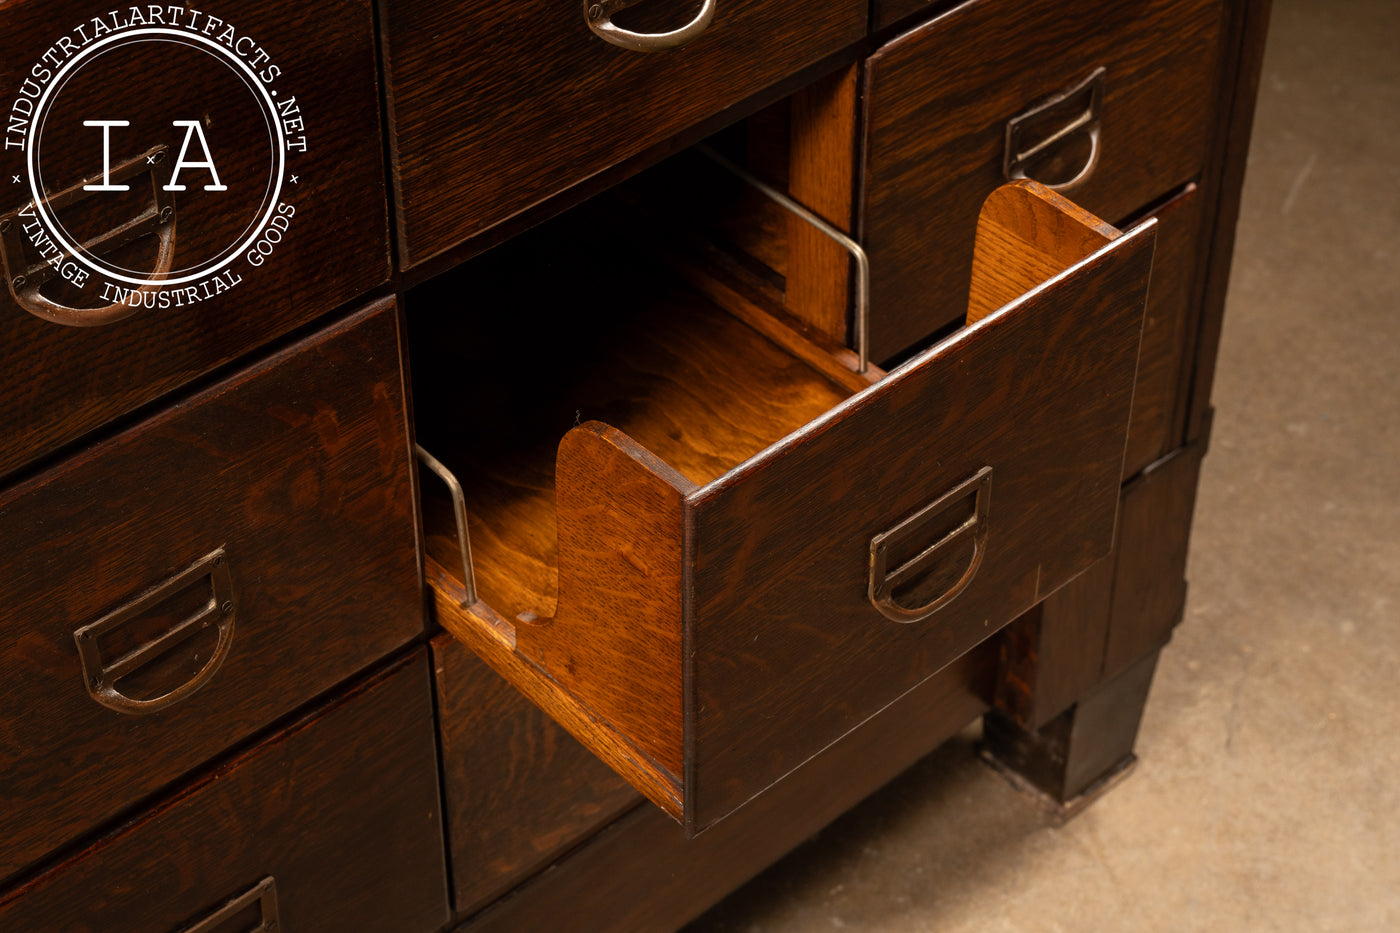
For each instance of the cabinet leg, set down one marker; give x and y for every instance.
(1079, 753)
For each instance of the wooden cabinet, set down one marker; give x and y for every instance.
(748, 471)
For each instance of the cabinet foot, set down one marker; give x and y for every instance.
(1071, 760)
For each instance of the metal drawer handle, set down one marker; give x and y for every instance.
(263, 894)
(884, 582)
(599, 15)
(101, 675)
(25, 278)
(1081, 107)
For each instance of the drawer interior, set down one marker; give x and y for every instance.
(540, 336)
(628, 418)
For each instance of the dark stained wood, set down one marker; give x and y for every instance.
(547, 104)
(822, 177)
(336, 249)
(1222, 190)
(779, 544)
(642, 874)
(795, 524)
(341, 809)
(1081, 749)
(1160, 382)
(300, 469)
(519, 791)
(937, 101)
(1154, 529)
(1052, 655)
(1123, 608)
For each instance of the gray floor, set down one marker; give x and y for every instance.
(1268, 795)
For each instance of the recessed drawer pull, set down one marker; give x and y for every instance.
(158, 218)
(101, 675)
(1036, 131)
(599, 15)
(900, 538)
(262, 895)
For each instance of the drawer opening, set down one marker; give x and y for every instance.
(627, 345)
(804, 146)
(619, 414)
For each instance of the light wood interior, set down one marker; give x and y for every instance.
(550, 343)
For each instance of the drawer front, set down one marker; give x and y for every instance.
(330, 825)
(498, 108)
(519, 790)
(237, 555)
(939, 103)
(840, 569)
(273, 143)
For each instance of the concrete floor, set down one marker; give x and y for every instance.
(1268, 793)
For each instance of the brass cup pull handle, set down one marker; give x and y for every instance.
(936, 515)
(25, 278)
(102, 675)
(599, 14)
(261, 897)
(1038, 130)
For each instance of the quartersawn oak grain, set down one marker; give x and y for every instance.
(337, 247)
(745, 598)
(341, 809)
(937, 100)
(299, 467)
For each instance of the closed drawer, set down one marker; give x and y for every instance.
(1112, 101)
(519, 791)
(272, 140)
(755, 555)
(498, 106)
(174, 589)
(332, 824)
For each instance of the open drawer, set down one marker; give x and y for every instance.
(737, 555)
